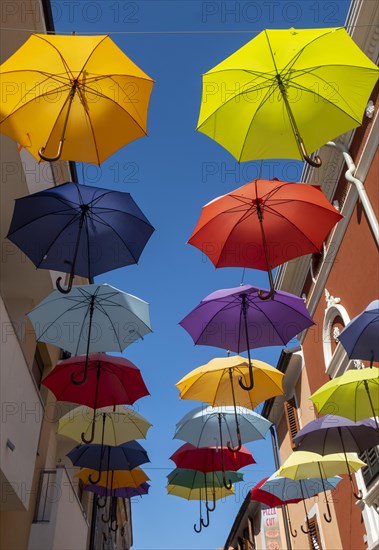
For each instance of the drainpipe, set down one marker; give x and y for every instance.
(277, 466)
(373, 222)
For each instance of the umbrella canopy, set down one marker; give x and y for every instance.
(304, 464)
(263, 224)
(199, 493)
(98, 317)
(288, 91)
(110, 381)
(118, 480)
(123, 457)
(112, 425)
(334, 434)
(193, 479)
(80, 229)
(219, 319)
(205, 427)
(214, 383)
(75, 97)
(208, 459)
(287, 491)
(124, 492)
(266, 497)
(360, 337)
(354, 395)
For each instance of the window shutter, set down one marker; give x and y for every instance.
(292, 419)
(314, 538)
(370, 472)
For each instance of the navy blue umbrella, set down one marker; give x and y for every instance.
(106, 457)
(79, 229)
(360, 337)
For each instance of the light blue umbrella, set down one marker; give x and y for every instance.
(212, 426)
(90, 318)
(360, 337)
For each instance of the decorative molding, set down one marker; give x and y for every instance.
(336, 361)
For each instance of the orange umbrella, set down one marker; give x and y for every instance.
(263, 224)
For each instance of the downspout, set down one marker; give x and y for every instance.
(373, 222)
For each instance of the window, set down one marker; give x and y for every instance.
(314, 538)
(292, 419)
(371, 471)
(47, 495)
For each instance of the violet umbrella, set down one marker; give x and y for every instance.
(237, 319)
(335, 434)
(360, 337)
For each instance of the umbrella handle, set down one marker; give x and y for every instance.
(238, 448)
(116, 526)
(251, 379)
(105, 520)
(328, 517)
(227, 484)
(98, 502)
(211, 509)
(305, 531)
(203, 522)
(316, 163)
(94, 481)
(198, 530)
(69, 286)
(293, 532)
(82, 379)
(41, 152)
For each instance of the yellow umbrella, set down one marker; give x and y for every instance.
(286, 91)
(200, 494)
(305, 464)
(216, 383)
(73, 97)
(118, 480)
(108, 425)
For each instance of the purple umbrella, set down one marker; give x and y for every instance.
(360, 337)
(124, 492)
(333, 434)
(237, 319)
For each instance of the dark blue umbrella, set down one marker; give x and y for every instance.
(79, 229)
(335, 434)
(360, 337)
(106, 457)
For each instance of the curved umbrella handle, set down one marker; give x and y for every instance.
(84, 439)
(305, 531)
(251, 379)
(114, 529)
(239, 445)
(292, 531)
(83, 378)
(41, 152)
(269, 295)
(94, 481)
(106, 520)
(209, 509)
(98, 502)
(316, 163)
(328, 517)
(227, 484)
(203, 523)
(200, 528)
(69, 286)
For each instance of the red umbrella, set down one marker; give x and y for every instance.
(208, 459)
(110, 381)
(211, 459)
(263, 224)
(265, 497)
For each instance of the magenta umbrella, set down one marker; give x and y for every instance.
(236, 319)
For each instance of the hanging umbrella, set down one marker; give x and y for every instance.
(76, 98)
(288, 92)
(109, 426)
(335, 434)
(79, 229)
(194, 479)
(124, 492)
(91, 318)
(264, 224)
(304, 464)
(120, 478)
(211, 459)
(105, 457)
(280, 491)
(354, 395)
(199, 494)
(110, 381)
(211, 426)
(360, 337)
(236, 319)
(213, 384)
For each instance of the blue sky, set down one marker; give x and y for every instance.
(171, 174)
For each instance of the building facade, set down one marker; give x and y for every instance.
(336, 285)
